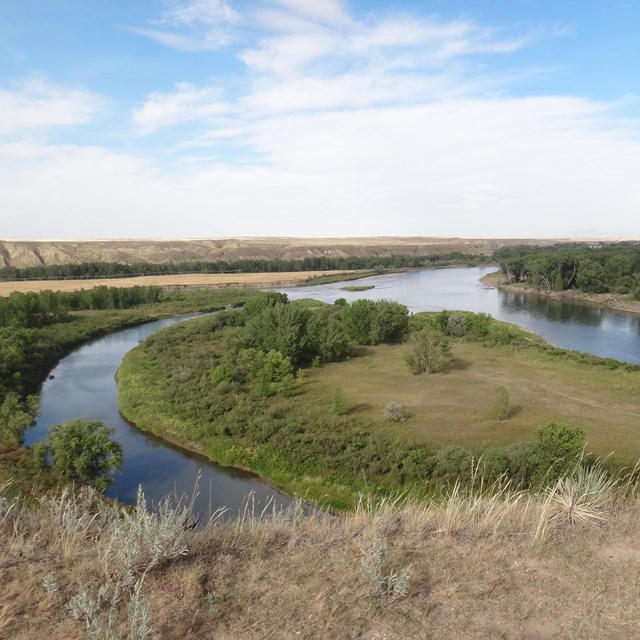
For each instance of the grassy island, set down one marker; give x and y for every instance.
(262, 389)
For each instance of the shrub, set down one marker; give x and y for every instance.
(451, 462)
(558, 450)
(501, 409)
(338, 404)
(521, 459)
(82, 450)
(394, 411)
(428, 352)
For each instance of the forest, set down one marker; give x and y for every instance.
(610, 269)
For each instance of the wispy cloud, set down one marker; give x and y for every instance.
(198, 12)
(192, 25)
(36, 104)
(185, 104)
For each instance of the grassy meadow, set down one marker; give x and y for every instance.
(456, 404)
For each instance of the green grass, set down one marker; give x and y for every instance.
(344, 277)
(456, 406)
(360, 287)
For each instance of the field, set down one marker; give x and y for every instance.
(455, 406)
(173, 281)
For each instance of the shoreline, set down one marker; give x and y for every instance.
(613, 301)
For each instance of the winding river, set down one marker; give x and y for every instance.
(83, 386)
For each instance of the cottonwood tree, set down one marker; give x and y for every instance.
(428, 351)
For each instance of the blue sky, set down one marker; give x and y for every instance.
(214, 118)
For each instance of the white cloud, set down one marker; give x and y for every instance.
(187, 103)
(210, 40)
(336, 127)
(192, 25)
(329, 12)
(196, 12)
(502, 167)
(38, 105)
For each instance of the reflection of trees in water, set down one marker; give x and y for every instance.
(556, 310)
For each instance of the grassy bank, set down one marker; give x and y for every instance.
(343, 277)
(330, 440)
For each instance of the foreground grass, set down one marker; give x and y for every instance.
(487, 563)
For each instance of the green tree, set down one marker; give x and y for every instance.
(501, 409)
(558, 450)
(82, 450)
(275, 377)
(428, 351)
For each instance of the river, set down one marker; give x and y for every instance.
(83, 384)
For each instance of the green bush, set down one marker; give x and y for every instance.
(452, 462)
(558, 450)
(501, 409)
(82, 450)
(428, 351)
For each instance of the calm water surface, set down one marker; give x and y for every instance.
(83, 385)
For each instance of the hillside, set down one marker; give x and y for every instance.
(27, 253)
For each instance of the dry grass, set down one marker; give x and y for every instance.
(470, 566)
(202, 281)
(457, 404)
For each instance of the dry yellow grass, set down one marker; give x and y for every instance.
(179, 280)
(476, 573)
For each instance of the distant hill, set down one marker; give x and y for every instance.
(24, 253)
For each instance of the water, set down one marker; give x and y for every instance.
(581, 327)
(83, 386)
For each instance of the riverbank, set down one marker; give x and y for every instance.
(613, 301)
(29, 354)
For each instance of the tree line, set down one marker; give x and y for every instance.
(321, 263)
(38, 309)
(592, 270)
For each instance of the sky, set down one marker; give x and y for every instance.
(319, 118)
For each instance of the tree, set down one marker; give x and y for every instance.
(275, 377)
(501, 409)
(558, 449)
(82, 450)
(429, 351)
